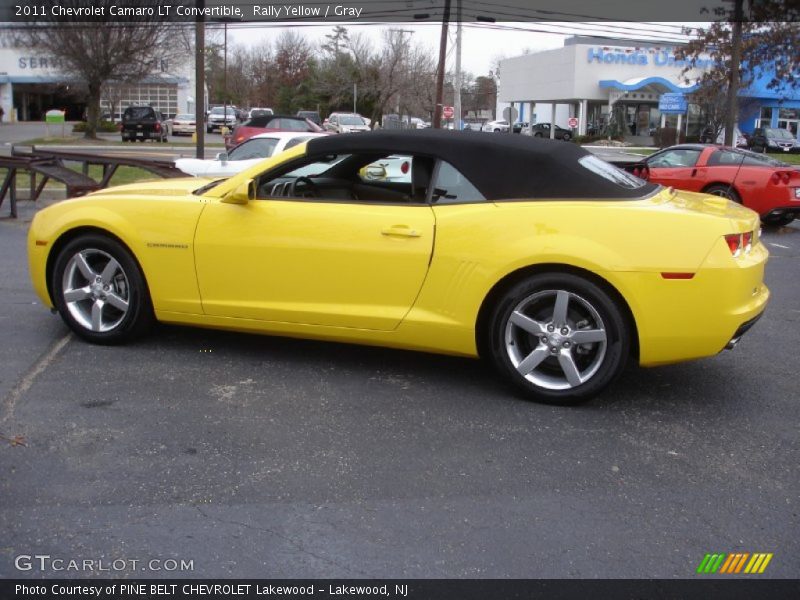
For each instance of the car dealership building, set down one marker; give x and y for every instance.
(628, 87)
(31, 84)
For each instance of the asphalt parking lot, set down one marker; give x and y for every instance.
(266, 457)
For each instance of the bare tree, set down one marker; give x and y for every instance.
(767, 46)
(98, 52)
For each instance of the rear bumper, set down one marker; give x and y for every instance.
(743, 328)
(680, 320)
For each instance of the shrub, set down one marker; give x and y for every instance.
(103, 126)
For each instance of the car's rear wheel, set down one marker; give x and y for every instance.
(567, 137)
(99, 290)
(725, 191)
(537, 134)
(559, 338)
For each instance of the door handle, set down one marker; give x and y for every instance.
(400, 231)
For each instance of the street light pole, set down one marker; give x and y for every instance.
(200, 82)
(225, 78)
(437, 109)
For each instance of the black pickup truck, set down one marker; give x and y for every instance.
(142, 122)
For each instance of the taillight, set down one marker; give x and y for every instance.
(734, 243)
(404, 167)
(747, 241)
(781, 177)
(739, 243)
(157, 127)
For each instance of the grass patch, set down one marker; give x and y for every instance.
(792, 159)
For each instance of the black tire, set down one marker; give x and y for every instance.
(724, 191)
(537, 134)
(567, 137)
(124, 284)
(781, 221)
(589, 310)
(209, 130)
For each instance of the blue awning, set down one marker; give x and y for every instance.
(637, 83)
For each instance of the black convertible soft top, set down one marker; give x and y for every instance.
(502, 166)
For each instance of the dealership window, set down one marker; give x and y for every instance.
(163, 98)
(765, 118)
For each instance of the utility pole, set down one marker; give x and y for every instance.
(457, 99)
(437, 109)
(733, 85)
(200, 82)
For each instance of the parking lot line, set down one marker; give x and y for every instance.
(10, 401)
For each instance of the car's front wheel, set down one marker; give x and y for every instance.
(559, 338)
(567, 137)
(99, 290)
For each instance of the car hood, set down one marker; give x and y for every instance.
(158, 187)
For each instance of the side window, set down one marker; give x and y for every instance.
(675, 158)
(725, 158)
(451, 187)
(279, 183)
(254, 148)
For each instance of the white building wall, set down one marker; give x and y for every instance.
(574, 72)
(26, 66)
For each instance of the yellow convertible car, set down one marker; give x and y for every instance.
(550, 263)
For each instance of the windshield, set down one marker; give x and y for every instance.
(351, 120)
(612, 173)
(783, 134)
(219, 110)
(184, 117)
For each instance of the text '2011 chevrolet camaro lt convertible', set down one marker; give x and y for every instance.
(548, 262)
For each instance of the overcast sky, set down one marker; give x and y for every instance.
(481, 43)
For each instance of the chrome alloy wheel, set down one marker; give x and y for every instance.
(556, 339)
(96, 290)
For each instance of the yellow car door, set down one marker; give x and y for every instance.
(335, 263)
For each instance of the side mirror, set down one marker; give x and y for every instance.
(245, 192)
(222, 157)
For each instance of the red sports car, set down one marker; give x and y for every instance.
(269, 124)
(768, 186)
